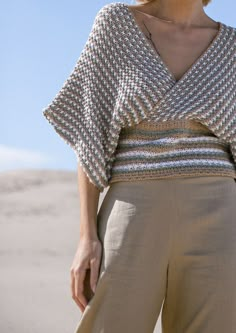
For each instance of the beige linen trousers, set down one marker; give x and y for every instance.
(169, 242)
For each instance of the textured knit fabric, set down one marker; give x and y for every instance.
(119, 80)
(179, 148)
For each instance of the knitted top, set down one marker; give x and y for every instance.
(119, 80)
(174, 148)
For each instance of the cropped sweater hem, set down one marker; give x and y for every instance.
(143, 175)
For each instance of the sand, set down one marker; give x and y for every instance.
(39, 219)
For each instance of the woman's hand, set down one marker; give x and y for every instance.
(85, 270)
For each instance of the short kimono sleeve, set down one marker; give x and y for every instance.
(81, 111)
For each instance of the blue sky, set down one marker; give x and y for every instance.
(41, 42)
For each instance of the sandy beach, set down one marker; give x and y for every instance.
(39, 216)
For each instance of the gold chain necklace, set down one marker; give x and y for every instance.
(155, 17)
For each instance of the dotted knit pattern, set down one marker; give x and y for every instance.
(119, 81)
(167, 149)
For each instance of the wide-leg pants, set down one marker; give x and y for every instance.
(170, 241)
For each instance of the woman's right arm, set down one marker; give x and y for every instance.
(88, 254)
(88, 196)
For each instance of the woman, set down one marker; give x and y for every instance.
(150, 109)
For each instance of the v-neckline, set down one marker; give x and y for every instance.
(157, 56)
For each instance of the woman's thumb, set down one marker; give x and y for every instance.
(94, 268)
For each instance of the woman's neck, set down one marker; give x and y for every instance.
(181, 12)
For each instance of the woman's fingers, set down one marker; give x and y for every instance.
(79, 285)
(85, 271)
(80, 305)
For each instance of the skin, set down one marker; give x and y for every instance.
(86, 262)
(180, 43)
